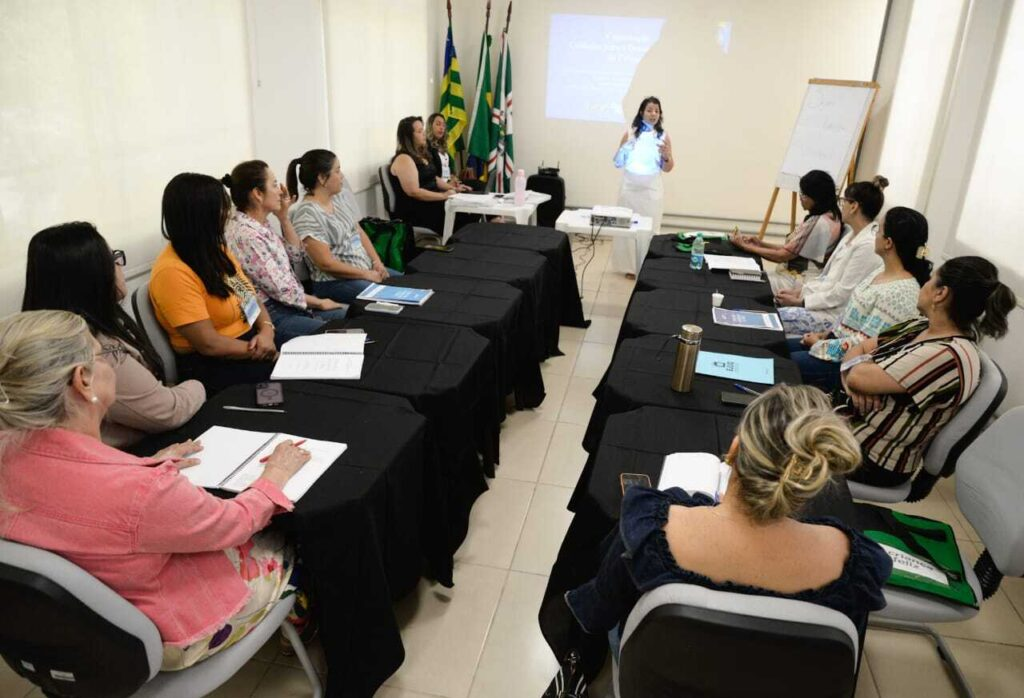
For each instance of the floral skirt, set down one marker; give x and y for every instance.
(799, 321)
(265, 563)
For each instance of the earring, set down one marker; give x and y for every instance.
(94, 399)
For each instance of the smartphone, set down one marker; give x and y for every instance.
(738, 399)
(627, 480)
(269, 394)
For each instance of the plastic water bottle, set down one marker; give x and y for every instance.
(697, 253)
(520, 187)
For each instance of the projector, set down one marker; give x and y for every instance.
(611, 217)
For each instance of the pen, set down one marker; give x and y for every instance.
(264, 459)
(745, 389)
(236, 408)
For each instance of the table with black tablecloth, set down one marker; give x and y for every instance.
(492, 309)
(528, 271)
(663, 312)
(447, 374)
(551, 243)
(359, 527)
(641, 371)
(671, 273)
(665, 246)
(637, 442)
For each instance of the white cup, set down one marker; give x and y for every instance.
(716, 299)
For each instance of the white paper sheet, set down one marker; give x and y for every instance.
(695, 472)
(724, 261)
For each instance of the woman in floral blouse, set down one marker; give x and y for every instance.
(267, 258)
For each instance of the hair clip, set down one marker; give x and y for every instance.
(4, 400)
(922, 252)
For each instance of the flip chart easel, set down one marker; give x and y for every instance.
(827, 136)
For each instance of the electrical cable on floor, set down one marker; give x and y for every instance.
(591, 246)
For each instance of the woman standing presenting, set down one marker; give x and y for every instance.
(645, 151)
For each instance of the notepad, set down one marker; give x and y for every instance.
(735, 367)
(321, 356)
(695, 472)
(230, 460)
(395, 294)
(725, 261)
(749, 319)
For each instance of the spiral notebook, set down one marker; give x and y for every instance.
(321, 356)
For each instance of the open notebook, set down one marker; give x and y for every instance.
(695, 472)
(230, 460)
(321, 356)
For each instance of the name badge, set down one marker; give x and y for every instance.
(251, 309)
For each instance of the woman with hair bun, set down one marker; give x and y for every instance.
(268, 258)
(883, 300)
(906, 384)
(788, 446)
(816, 305)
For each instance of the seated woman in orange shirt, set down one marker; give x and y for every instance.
(216, 323)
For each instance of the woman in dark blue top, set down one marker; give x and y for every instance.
(788, 446)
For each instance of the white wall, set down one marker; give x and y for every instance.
(729, 115)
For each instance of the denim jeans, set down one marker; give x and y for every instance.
(290, 322)
(344, 290)
(814, 371)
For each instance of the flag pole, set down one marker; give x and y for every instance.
(508, 17)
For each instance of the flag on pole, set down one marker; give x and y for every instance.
(501, 163)
(479, 137)
(453, 104)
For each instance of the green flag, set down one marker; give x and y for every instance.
(501, 163)
(453, 104)
(480, 127)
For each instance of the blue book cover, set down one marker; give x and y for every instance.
(395, 294)
(750, 319)
(736, 368)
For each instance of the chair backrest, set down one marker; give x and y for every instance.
(990, 490)
(142, 307)
(69, 633)
(683, 640)
(386, 190)
(944, 451)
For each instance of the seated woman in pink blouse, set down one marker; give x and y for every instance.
(267, 258)
(192, 562)
(71, 267)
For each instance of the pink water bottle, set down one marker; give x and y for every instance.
(520, 187)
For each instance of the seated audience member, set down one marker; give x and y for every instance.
(437, 144)
(907, 383)
(71, 267)
(188, 560)
(266, 258)
(883, 300)
(812, 241)
(816, 305)
(217, 325)
(788, 446)
(420, 192)
(340, 257)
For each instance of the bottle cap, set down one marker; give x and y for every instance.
(690, 333)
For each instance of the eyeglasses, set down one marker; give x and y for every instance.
(114, 351)
(844, 200)
(119, 257)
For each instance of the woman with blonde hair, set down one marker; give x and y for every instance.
(788, 447)
(195, 564)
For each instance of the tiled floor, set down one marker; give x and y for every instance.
(481, 639)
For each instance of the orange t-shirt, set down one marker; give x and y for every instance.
(180, 298)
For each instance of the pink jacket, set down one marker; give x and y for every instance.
(146, 532)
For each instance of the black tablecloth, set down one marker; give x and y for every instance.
(670, 273)
(527, 271)
(664, 311)
(447, 374)
(555, 247)
(665, 246)
(359, 528)
(641, 371)
(494, 310)
(637, 442)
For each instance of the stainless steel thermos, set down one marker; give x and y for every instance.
(686, 357)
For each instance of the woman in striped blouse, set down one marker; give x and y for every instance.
(907, 383)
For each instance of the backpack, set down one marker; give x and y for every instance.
(392, 240)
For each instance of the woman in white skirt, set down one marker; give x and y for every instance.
(645, 151)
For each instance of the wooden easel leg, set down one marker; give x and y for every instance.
(768, 214)
(792, 213)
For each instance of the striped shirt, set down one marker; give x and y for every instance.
(939, 376)
(339, 230)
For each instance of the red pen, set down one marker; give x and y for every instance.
(264, 459)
